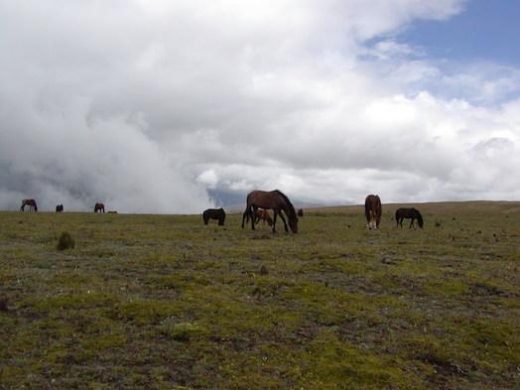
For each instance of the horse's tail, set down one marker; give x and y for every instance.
(367, 208)
(246, 215)
(419, 218)
(248, 200)
(379, 210)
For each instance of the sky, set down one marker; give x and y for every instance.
(173, 107)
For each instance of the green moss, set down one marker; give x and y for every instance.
(145, 311)
(86, 299)
(104, 341)
(182, 331)
(446, 287)
(333, 362)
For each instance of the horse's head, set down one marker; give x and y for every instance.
(293, 224)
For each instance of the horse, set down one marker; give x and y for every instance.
(263, 215)
(218, 214)
(99, 207)
(31, 203)
(258, 215)
(300, 212)
(272, 200)
(373, 210)
(410, 213)
(59, 208)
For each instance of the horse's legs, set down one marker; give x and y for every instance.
(244, 215)
(275, 214)
(252, 214)
(284, 222)
(411, 224)
(371, 221)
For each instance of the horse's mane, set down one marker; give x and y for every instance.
(289, 204)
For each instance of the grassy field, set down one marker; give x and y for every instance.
(149, 301)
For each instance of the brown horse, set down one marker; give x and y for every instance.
(31, 203)
(273, 200)
(59, 208)
(373, 210)
(409, 213)
(99, 207)
(263, 215)
(218, 214)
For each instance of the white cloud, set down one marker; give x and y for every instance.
(145, 105)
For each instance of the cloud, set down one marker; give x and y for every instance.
(148, 105)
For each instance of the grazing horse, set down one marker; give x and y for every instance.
(31, 203)
(263, 215)
(59, 208)
(99, 207)
(410, 213)
(218, 214)
(273, 200)
(373, 210)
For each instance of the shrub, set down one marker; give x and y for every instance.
(65, 241)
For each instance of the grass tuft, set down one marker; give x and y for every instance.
(65, 241)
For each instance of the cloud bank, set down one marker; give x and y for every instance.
(157, 106)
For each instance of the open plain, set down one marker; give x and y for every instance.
(162, 301)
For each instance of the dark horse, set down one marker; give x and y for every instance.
(59, 208)
(99, 207)
(410, 213)
(274, 200)
(373, 210)
(29, 202)
(218, 214)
